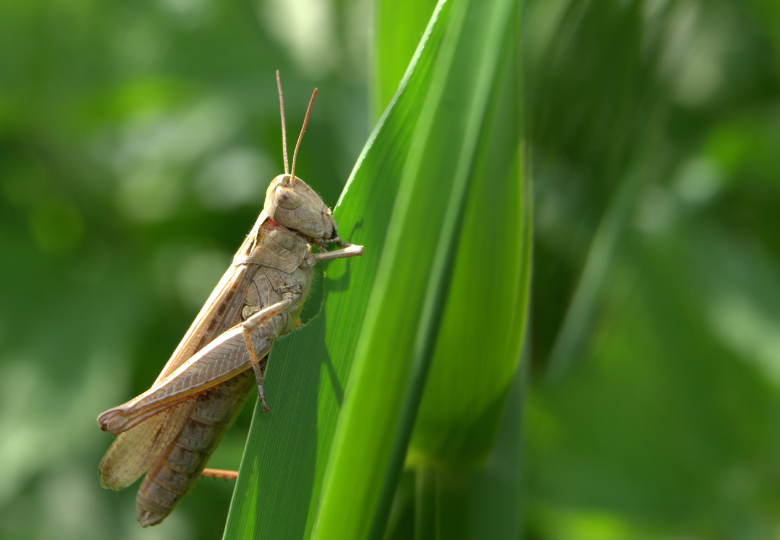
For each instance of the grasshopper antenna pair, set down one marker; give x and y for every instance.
(284, 128)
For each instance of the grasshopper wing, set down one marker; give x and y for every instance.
(222, 359)
(134, 451)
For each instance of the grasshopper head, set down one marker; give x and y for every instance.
(294, 205)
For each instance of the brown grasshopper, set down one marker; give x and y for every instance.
(170, 431)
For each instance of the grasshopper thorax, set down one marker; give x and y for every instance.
(291, 203)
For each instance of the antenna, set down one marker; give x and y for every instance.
(303, 129)
(284, 130)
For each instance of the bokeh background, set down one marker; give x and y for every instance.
(136, 143)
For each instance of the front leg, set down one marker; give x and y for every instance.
(350, 251)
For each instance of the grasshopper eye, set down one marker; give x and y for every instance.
(287, 198)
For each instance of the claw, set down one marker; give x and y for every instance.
(261, 397)
(261, 391)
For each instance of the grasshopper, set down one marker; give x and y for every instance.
(170, 431)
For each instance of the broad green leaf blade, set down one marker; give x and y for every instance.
(398, 338)
(398, 27)
(476, 355)
(476, 496)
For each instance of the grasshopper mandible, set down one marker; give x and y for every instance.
(170, 431)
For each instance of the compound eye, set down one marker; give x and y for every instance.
(287, 198)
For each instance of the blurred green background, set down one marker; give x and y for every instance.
(136, 143)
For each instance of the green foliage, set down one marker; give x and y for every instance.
(398, 28)
(652, 397)
(136, 141)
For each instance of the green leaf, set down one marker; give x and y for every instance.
(476, 356)
(398, 27)
(345, 389)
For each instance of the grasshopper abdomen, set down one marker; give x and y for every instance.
(176, 470)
